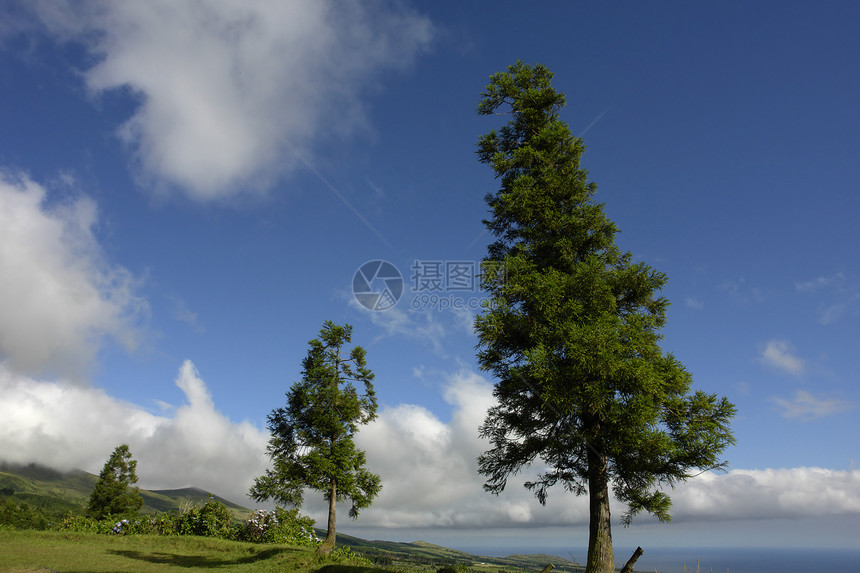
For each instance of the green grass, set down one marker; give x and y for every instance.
(46, 551)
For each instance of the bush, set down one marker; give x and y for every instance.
(344, 556)
(213, 519)
(83, 524)
(21, 515)
(159, 524)
(280, 526)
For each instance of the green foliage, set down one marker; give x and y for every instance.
(312, 438)
(21, 515)
(113, 493)
(280, 526)
(345, 556)
(572, 330)
(84, 524)
(212, 519)
(454, 568)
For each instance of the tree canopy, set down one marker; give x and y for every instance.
(572, 331)
(312, 442)
(113, 493)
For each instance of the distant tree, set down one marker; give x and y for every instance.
(114, 494)
(571, 332)
(312, 438)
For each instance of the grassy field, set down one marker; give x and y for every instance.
(46, 551)
(30, 551)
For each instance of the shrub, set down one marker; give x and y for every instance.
(85, 524)
(213, 519)
(280, 526)
(21, 515)
(344, 556)
(158, 524)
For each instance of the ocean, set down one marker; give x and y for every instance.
(713, 559)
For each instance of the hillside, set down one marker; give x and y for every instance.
(421, 552)
(59, 492)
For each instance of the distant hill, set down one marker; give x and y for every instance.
(394, 553)
(60, 492)
(170, 499)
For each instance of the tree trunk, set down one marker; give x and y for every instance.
(330, 538)
(628, 567)
(600, 558)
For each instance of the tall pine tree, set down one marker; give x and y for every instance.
(572, 332)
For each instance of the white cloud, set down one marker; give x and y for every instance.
(60, 295)
(694, 303)
(464, 318)
(223, 85)
(779, 354)
(741, 292)
(430, 480)
(423, 326)
(806, 407)
(820, 283)
(429, 469)
(67, 426)
(757, 494)
(841, 293)
(428, 465)
(181, 312)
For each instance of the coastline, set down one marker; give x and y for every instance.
(708, 559)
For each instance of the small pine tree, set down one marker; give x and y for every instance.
(114, 494)
(312, 438)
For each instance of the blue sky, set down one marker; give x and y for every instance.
(187, 191)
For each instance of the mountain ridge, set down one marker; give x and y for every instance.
(44, 486)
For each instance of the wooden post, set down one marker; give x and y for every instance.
(628, 567)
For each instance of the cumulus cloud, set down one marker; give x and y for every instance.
(757, 494)
(232, 93)
(62, 296)
(430, 480)
(779, 354)
(805, 406)
(429, 468)
(428, 465)
(67, 426)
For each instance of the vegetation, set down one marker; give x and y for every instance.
(176, 536)
(312, 438)
(26, 551)
(43, 497)
(212, 519)
(572, 331)
(113, 493)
